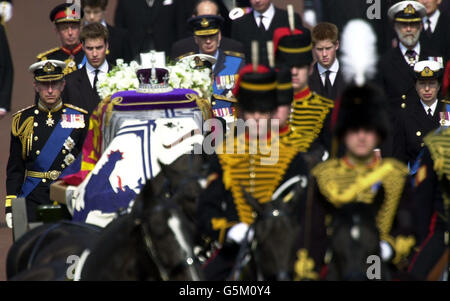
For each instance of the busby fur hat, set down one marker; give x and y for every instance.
(362, 107)
(292, 49)
(256, 91)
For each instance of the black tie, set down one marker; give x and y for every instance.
(428, 31)
(328, 85)
(261, 24)
(429, 112)
(94, 86)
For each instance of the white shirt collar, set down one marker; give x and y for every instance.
(404, 49)
(334, 68)
(432, 107)
(268, 15)
(103, 68)
(433, 18)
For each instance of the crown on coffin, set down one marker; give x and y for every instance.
(156, 78)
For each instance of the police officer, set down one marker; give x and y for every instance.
(67, 20)
(45, 139)
(208, 37)
(421, 113)
(223, 211)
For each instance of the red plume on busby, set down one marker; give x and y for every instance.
(446, 81)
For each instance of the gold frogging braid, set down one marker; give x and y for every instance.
(24, 132)
(439, 146)
(341, 184)
(306, 120)
(242, 168)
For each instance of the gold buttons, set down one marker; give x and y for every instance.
(403, 105)
(38, 152)
(44, 180)
(64, 151)
(63, 166)
(35, 124)
(403, 96)
(422, 144)
(36, 138)
(252, 175)
(64, 110)
(36, 112)
(419, 133)
(213, 103)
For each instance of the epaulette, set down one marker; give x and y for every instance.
(40, 56)
(22, 110)
(76, 108)
(184, 55)
(234, 53)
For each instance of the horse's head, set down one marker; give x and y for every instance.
(354, 237)
(169, 203)
(277, 230)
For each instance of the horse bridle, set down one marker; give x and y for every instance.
(166, 200)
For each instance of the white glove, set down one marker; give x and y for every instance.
(6, 10)
(386, 251)
(70, 190)
(237, 233)
(8, 218)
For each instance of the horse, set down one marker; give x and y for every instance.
(277, 228)
(46, 245)
(354, 237)
(155, 240)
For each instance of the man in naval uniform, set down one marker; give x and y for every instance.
(224, 214)
(361, 175)
(208, 36)
(67, 20)
(421, 113)
(45, 139)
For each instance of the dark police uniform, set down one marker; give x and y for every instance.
(74, 58)
(412, 122)
(43, 143)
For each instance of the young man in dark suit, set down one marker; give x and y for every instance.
(326, 78)
(250, 27)
(119, 47)
(188, 45)
(81, 85)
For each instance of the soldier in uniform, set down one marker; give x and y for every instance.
(308, 110)
(361, 176)
(420, 114)
(67, 20)
(223, 211)
(208, 37)
(45, 139)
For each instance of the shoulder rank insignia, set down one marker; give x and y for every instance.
(76, 108)
(24, 109)
(43, 56)
(234, 53)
